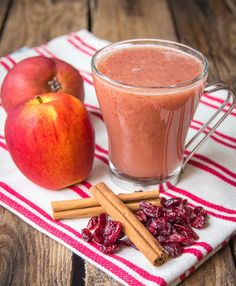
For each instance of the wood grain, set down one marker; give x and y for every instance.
(219, 270)
(124, 19)
(233, 249)
(209, 26)
(28, 257)
(118, 20)
(4, 9)
(95, 277)
(32, 23)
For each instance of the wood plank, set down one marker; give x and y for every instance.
(4, 8)
(96, 277)
(29, 257)
(233, 249)
(217, 271)
(135, 19)
(131, 19)
(32, 23)
(48, 13)
(210, 27)
(127, 19)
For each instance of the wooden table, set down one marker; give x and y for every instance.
(28, 257)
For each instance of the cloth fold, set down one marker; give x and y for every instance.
(209, 179)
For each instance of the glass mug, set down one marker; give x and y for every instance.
(147, 126)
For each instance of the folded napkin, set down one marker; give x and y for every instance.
(209, 180)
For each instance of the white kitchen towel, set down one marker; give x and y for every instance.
(209, 180)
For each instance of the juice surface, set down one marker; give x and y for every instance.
(147, 128)
(150, 66)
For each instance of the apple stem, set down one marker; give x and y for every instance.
(39, 99)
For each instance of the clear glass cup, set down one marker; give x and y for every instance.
(147, 126)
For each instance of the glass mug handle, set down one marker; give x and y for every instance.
(212, 87)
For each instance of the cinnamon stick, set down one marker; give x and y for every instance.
(58, 206)
(132, 227)
(93, 211)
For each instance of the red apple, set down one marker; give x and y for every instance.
(39, 75)
(51, 140)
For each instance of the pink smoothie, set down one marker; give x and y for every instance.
(147, 127)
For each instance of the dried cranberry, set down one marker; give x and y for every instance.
(174, 249)
(182, 210)
(126, 242)
(102, 220)
(112, 232)
(152, 227)
(172, 202)
(141, 216)
(184, 213)
(159, 226)
(184, 240)
(92, 222)
(86, 234)
(170, 223)
(189, 212)
(176, 237)
(109, 249)
(184, 202)
(183, 234)
(98, 235)
(162, 239)
(186, 230)
(173, 216)
(199, 211)
(163, 201)
(198, 222)
(163, 226)
(121, 235)
(159, 211)
(148, 208)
